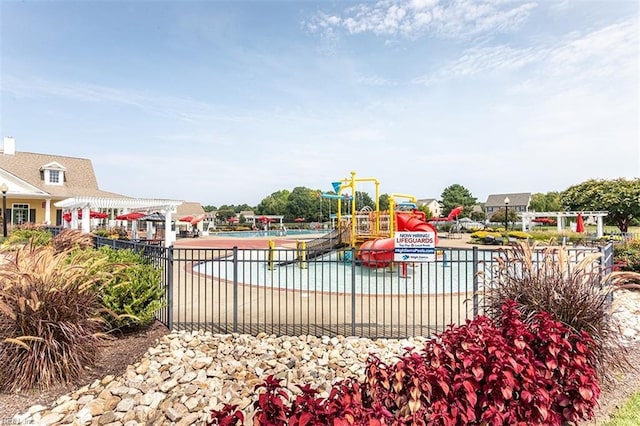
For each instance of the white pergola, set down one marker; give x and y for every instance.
(86, 204)
(527, 217)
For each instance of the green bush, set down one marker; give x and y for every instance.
(627, 256)
(49, 317)
(553, 280)
(135, 294)
(37, 236)
(101, 233)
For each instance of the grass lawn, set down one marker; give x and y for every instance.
(628, 414)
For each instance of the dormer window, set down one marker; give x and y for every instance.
(54, 176)
(53, 173)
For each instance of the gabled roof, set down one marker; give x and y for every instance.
(189, 208)
(54, 165)
(515, 199)
(80, 178)
(426, 200)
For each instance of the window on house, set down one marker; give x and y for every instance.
(54, 176)
(19, 213)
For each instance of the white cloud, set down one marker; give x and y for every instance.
(373, 80)
(595, 55)
(183, 109)
(413, 18)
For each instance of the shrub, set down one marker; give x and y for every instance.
(520, 235)
(49, 317)
(493, 372)
(101, 233)
(484, 372)
(69, 239)
(481, 235)
(29, 232)
(553, 280)
(627, 256)
(118, 233)
(135, 294)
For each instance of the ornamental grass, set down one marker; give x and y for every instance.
(50, 325)
(571, 285)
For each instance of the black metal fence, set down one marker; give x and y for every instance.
(283, 292)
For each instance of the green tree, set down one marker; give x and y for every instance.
(620, 197)
(549, 202)
(478, 216)
(428, 214)
(383, 202)
(275, 203)
(224, 215)
(363, 199)
(209, 208)
(301, 202)
(457, 195)
(498, 216)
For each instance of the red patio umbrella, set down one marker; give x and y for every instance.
(299, 219)
(233, 219)
(186, 219)
(194, 221)
(580, 224)
(264, 219)
(130, 216)
(92, 215)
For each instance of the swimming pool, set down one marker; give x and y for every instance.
(270, 233)
(334, 273)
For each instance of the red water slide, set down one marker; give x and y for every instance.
(378, 253)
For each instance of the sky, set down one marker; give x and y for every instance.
(229, 102)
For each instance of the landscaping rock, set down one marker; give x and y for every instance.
(187, 374)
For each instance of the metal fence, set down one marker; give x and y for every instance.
(282, 292)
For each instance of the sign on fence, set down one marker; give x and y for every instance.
(415, 247)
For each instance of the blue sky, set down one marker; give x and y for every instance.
(228, 102)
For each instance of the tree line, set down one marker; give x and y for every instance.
(620, 197)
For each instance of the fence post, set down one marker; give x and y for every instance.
(606, 266)
(170, 287)
(353, 291)
(235, 289)
(476, 302)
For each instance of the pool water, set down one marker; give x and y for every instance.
(331, 273)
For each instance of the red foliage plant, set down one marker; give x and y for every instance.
(480, 373)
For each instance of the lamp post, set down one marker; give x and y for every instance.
(4, 188)
(506, 213)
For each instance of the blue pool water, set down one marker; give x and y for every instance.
(452, 274)
(270, 233)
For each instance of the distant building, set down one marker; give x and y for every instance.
(434, 206)
(518, 202)
(36, 181)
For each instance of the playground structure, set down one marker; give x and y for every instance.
(372, 232)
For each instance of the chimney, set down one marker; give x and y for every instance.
(9, 146)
